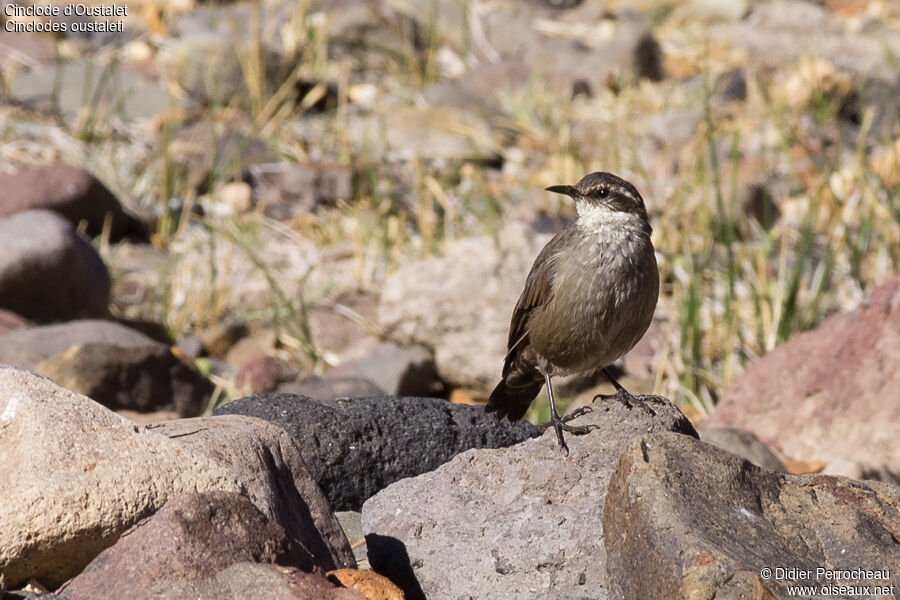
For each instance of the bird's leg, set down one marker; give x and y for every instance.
(623, 395)
(560, 424)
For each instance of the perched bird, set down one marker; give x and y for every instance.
(588, 299)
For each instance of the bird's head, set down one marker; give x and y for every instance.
(602, 198)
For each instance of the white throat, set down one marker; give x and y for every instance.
(594, 216)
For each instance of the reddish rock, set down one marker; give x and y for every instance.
(237, 582)
(10, 321)
(192, 537)
(69, 191)
(48, 272)
(829, 393)
(75, 476)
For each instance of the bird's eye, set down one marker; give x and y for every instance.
(603, 192)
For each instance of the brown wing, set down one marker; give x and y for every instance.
(538, 291)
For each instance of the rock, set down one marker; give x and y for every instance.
(587, 42)
(857, 470)
(648, 58)
(345, 326)
(192, 537)
(10, 321)
(69, 191)
(351, 523)
(882, 97)
(684, 519)
(110, 363)
(842, 377)
(206, 151)
(730, 86)
(76, 476)
(239, 581)
(261, 374)
(48, 272)
(333, 388)
(745, 444)
(134, 96)
(138, 273)
(206, 66)
(432, 303)
(397, 370)
(400, 133)
(369, 583)
(518, 522)
(354, 448)
(28, 50)
(780, 32)
(300, 187)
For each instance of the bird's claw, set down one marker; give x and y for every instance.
(627, 399)
(560, 424)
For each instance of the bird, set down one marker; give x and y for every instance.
(588, 299)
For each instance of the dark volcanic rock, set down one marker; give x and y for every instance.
(69, 191)
(192, 537)
(110, 363)
(519, 522)
(48, 272)
(356, 447)
(830, 393)
(684, 519)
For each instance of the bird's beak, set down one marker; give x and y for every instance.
(567, 190)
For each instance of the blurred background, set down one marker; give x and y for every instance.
(350, 193)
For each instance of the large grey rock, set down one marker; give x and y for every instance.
(519, 522)
(192, 537)
(72, 192)
(356, 447)
(433, 303)
(48, 272)
(684, 519)
(116, 366)
(830, 393)
(75, 476)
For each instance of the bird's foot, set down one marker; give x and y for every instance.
(561, 424)
(627, 399)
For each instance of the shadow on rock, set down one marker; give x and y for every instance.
(394, 563)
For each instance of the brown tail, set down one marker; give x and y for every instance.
(514, 394)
